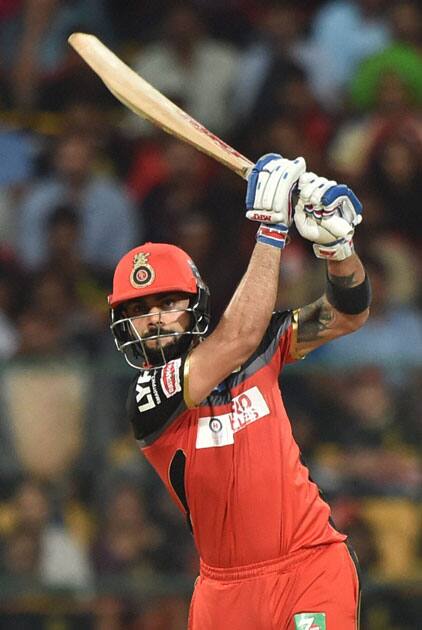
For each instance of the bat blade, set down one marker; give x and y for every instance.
(143, 99)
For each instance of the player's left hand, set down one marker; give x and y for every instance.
(324, 198)
(326, 214)
(270, 187)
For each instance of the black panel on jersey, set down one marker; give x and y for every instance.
(177, 477)
(150, 404)
(177, 480)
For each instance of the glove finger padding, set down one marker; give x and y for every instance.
(312, 188)
(270, 187)
(306, 226)
(326, 214)
(322, 231)
(258, 178)
(337, 227)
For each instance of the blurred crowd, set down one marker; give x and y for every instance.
(82, 180)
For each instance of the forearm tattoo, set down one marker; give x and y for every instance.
(345, 282)
(314, 320)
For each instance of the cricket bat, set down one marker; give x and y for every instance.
(147, 102)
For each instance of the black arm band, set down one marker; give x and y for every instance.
(351, 301)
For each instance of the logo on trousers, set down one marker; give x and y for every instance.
(310, 621)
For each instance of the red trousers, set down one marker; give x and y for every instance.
(314, 589)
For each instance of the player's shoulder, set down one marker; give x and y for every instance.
(279, 325)
(277, 330)
(280, 322)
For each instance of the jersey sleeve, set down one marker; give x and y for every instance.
(281, 336)
(278, 345)
(156, 397)
(288, 342)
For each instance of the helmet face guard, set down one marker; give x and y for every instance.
(135, 347)
(157, 268)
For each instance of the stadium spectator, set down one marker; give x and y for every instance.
(343, 32)
(54, 556)
(395, 172)
(125, 540)
(269, 57)
(191, 68)
(387, 91)
(81, 309)
(401, 59)
(105, 232)
(33, 44)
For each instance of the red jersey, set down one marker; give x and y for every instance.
(231, 463)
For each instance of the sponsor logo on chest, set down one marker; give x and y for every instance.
(148, 389)
(147, 395)
(170, 378)
(220, 430)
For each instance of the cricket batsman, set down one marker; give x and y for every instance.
(208, 414)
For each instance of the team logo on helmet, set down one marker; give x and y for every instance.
(142, 274)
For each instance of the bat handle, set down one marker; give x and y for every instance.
(246, 171)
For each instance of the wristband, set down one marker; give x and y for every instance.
(272, 234)
(338, 250)
(351, 301)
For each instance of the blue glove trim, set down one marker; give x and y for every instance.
(253, 177)
(341, 190)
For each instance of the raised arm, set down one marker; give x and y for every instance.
(247, 316)
(321, 321)
(327, 214)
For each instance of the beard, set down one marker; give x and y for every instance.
(159, 352)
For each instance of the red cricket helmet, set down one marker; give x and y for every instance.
(146, 270)
(153, 268)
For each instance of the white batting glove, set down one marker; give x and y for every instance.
(270, 187)
(326, 214)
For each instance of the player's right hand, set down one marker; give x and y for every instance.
(270, 186)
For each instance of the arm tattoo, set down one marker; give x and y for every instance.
(314, 320)
(345, 282)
